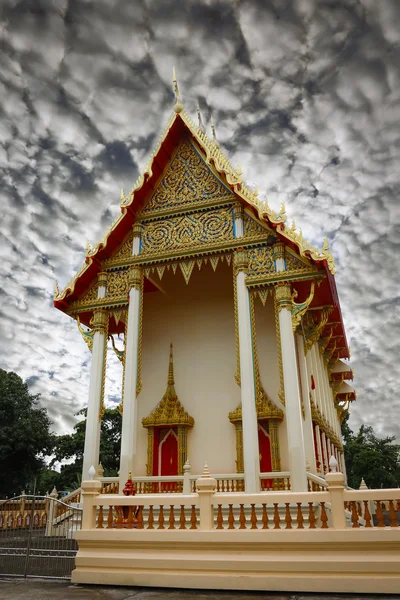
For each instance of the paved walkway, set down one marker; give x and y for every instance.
(45, 589)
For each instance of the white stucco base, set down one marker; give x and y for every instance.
(351, 561)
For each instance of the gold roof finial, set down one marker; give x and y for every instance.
(171, 381)
(178, 106)
(213, 130)
(201, 125)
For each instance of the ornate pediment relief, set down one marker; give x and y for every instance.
(187, 182)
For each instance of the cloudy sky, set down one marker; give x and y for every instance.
(306, 97)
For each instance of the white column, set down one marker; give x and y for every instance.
(293, 416)
(247, 378)
(129, 414)
(130, 423)
(307, 425)
(96, 391)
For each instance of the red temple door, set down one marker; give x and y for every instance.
(168, 458)
(264, 446)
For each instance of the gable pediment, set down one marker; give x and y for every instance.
(187, 182)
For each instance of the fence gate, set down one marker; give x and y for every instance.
(37, 537)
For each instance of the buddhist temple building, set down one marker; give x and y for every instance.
(227, 323)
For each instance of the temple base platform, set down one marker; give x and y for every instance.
(341, 561)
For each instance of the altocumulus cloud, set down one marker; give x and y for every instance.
(305, 95)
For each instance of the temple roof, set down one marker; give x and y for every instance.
(180, 127)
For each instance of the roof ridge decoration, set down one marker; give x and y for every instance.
(169, 411)
(215, 156)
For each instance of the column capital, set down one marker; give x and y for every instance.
(240, 261)
(283, 296)
(137, 230)
(279, 250)
(135, 277)
(238, 210)
(102, 278)
(99, 320)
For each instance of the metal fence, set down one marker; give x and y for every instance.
(37, 537)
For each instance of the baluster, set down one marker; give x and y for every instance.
(119, 520)
(218, 486)
(392, 515)
(139, 517)
(288, 516)
(161, 517)
(264, 516)
(253, 517)
(182, 520)
(277, 519)
(359, 510)
(324, 517)
(110, 517)
(354, 515)
(242, 517)
(130, 517)
(193, 518)
(171, 517)
(219, 517)
(309, 486)
(231, 518)
(311, 516)
(100, 518)
(289, 487)
(150, 522)
(300, 519)
(367, 514)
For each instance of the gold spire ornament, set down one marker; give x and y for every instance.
(169, 411)
(213, 130)
(201, 125)
(178, 106)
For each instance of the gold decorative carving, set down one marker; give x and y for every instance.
(294, 263)
(139, 384)
(88, 298)
(118, 284)
(312, 330)
(261, 261)
(87, 335)
(281, 393)
(275, 447)
(99, 321)
(239, 446)
(278, 251)
(137, 230)
(240, 261)
(182, 448)
(283, 296)
(169, 411)
(124, 252)
(135, 277)
(253, 228)
(300, 309)
(102, 279)
(238, 210)
(100, 324)
(189, 231)
(150, 451)
(188, 181)
(120, 354)
(236, 315)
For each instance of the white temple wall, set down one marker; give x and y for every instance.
(198, 319)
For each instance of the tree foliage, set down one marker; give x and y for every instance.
(25, 436)
(70, 448)
(376, 460)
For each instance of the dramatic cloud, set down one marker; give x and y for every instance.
(306, 97)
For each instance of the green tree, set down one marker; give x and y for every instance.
(70, 446)
(377, 460)
(25, 436)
